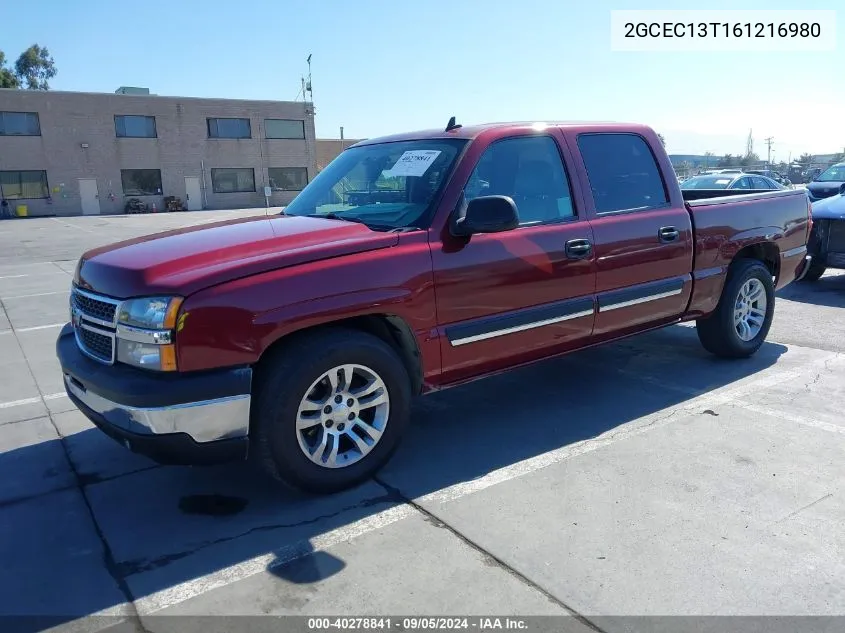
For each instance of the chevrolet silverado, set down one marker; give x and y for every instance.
(409, 264)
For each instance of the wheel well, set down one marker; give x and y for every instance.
(391, 329)
(765, 252)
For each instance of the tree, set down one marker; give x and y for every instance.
(33, 69)
(7, 77)
(662, 139)
(749, 159)
(805, 159)
(726, 161)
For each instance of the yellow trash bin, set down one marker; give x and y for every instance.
(21, 210)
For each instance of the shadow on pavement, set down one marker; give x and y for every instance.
(829, 291)
(168, 525)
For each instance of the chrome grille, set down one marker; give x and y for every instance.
(94, 307)
(97, 344)
(93, 317)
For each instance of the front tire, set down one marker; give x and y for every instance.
(330, 409)
(741, 321)
(815, 272)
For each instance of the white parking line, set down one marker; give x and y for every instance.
(73, 226)
(20, 403)
(32, 329)
(58, 271)
(192, 588)
(38, 294)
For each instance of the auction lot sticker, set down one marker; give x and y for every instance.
(413, 163)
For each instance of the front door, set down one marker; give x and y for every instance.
(520, 295)
(193, 194)
(643, 236)
(89, 196)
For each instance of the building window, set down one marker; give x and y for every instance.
(19, 124)
(132, 126)
(22, 185)
(141, 182)
(288, 178)
(284, 128)
(233, 180)
(229, 128)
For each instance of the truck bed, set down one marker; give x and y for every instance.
(699, 197)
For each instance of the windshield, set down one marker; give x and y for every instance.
(386, 186)
(832, 174)
(716, 181)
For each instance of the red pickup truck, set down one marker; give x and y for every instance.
(300, 339)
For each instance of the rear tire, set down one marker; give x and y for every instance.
(739, 325)
(815, 272)
(306, 438)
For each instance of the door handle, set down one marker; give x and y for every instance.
(668, 234)
(578, 249)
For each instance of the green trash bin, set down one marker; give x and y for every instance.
(21, 210)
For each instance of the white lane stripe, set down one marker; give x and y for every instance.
(20, 403)
(39, 294)
(33, 328)
(74, 226)
(793, 417)
(58, 271)
(192, 588)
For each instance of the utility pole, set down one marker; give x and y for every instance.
(769, 142)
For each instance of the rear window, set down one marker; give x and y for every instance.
(623, 172)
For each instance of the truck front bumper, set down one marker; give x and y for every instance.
(197, 418)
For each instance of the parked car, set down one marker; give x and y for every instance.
(300, 339)
(826, 246)
(827, 183)
(732, 181)
(810, 174)
(773, 175)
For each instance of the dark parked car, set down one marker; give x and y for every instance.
(826, 246)
(828, 183)
(742, 181)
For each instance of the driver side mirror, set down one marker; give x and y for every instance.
(487, 214)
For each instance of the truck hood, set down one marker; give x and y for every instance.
(824, 189)
(832, 208)
(184, 261)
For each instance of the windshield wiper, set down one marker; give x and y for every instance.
(369, 225)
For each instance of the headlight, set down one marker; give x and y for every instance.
(145, 332)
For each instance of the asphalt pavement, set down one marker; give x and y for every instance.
(643, 478)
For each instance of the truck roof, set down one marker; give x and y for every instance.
(472, 131)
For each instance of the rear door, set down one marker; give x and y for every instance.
(643, 239)
(516, 296)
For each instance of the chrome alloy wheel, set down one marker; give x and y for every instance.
(750, 309)
(342, 416)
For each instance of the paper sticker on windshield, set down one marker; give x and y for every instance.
(413, 163)
(723, 181)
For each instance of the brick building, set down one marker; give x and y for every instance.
(329, 148)
(69, 153)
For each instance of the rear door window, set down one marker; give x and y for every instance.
(623, 172)
(743, 183)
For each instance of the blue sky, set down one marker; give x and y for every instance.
(381, 67)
